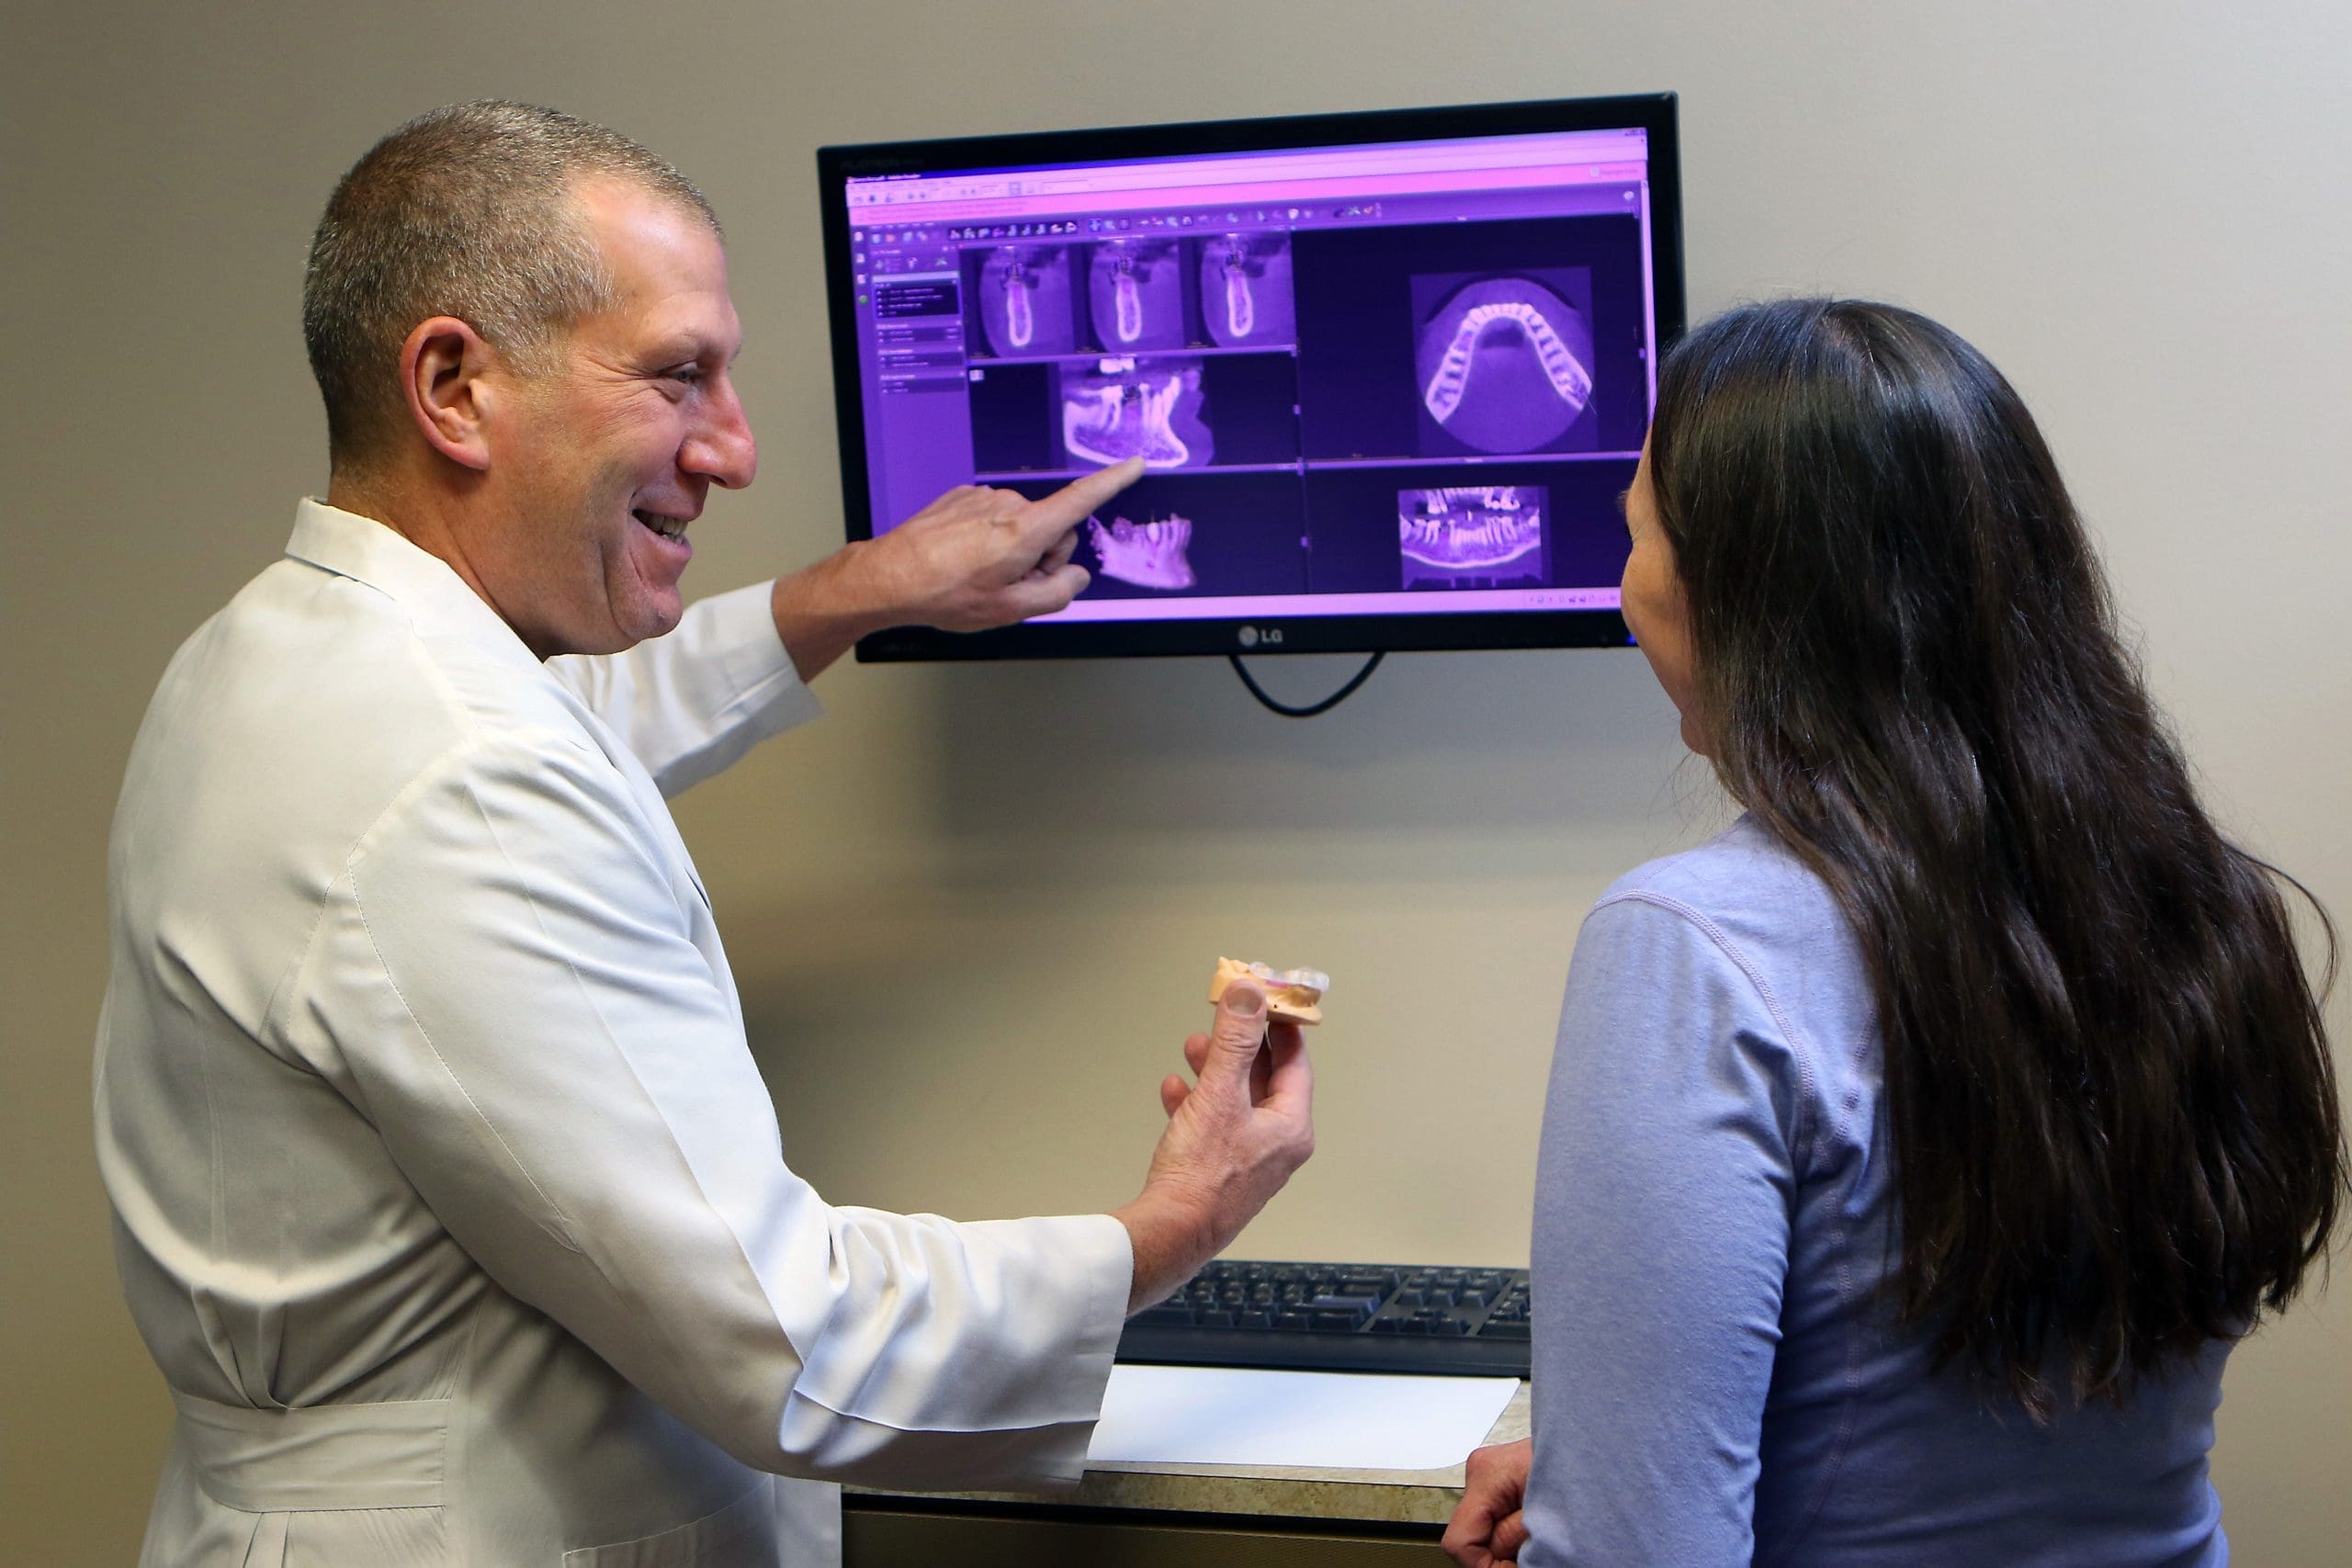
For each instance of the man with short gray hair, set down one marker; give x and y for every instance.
(446, 1194)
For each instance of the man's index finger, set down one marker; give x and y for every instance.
(1051, 517)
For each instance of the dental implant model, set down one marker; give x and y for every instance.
(1292, 996)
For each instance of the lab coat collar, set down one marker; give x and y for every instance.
(436, 598)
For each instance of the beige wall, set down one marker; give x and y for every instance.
(2144, 222)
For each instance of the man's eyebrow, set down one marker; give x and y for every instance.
(1621, 497)
(693, 348)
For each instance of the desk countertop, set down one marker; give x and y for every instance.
(1401, 1496)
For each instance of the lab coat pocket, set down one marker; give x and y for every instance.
(740, 1535)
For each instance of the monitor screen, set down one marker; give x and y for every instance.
(1388, 374)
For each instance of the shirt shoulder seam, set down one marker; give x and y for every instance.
(1799, 1049)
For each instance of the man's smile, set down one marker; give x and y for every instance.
(671, 528)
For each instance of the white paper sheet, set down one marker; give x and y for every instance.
(1306, 1420)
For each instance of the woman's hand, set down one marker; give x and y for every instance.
(1487, 1529)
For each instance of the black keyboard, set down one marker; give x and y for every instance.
(1339, 1317)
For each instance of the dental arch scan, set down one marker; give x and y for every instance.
(1488, 355)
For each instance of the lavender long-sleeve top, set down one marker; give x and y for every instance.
(1717, 1377)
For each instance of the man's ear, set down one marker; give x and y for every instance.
(447, 377)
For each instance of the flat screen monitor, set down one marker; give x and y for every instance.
(1388, 373)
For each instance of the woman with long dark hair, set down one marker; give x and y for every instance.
(1916, 1150)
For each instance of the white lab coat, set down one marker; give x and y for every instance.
(447, 1195)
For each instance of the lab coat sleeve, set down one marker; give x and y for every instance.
(1662, 1220)
(512, 991)
(692, 702)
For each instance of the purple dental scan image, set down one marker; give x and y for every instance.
(1502, 365)
(1474, 536)
(1245, 290)
(1387, 340)
(1019, 299)
(1135, 297)
(1120, 407)
(1174, 411)
(1193, 537)
(1149, 555)
(1419, 528)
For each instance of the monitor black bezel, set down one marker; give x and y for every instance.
(1654, 113)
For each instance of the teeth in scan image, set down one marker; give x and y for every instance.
(1148, 555)
(1024, 298)
(1126, 410)
(1244, 281)
(1485, 533)
(1241, 311)
(1129, 298)
(1021, 323)
(1568, 377)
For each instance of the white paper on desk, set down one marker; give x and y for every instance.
(1306, 1420)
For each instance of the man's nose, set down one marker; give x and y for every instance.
(721, 448)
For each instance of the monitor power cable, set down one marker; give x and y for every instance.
(1310, 709)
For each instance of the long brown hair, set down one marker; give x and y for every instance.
(2112, 1109)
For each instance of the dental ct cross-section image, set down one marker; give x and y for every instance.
(1024, 296)
(1504, 364)
(1135, 291)
(1245, 289)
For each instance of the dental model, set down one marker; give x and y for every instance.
(1569, 379)
(1131, 417)
(1149, 555)
(1292, 996)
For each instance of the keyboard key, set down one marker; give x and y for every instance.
(1504, 1330)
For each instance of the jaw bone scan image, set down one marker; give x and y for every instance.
(1135, 292)
(1025, 299)
(1475, 538)
(1245, 289)
(1149, 554)
(1135, 408)
(1504, 365)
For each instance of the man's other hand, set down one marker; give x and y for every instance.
(1487, 1526)
(1234, 1135)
